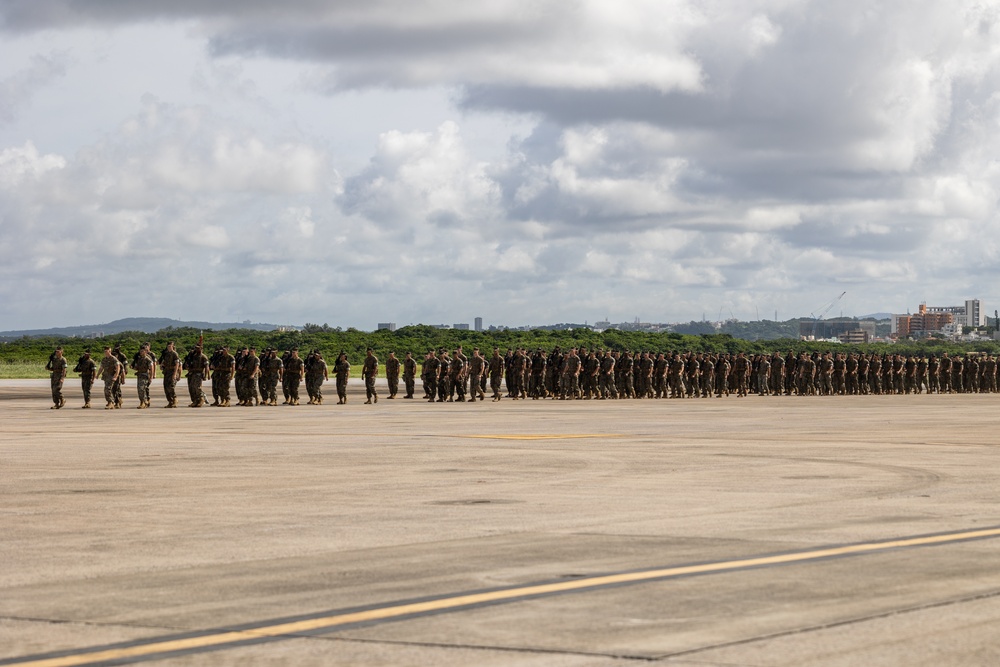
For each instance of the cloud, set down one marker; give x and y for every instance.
(748, 153)
(17, 90)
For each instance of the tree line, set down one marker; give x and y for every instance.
(420, 338)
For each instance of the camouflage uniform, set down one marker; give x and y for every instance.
(57, 368)
(392, 367)
(110, 369)
(87, 369)
(117, 386)
(369, 371)
(496, 368)
(433, 367)
(223, 376)
(294, 369)
(271, 369)
(144, 369)
(170, 366)
(316, 373)
(409, 374)
(342, 369)
(196, 365)
(477, 366)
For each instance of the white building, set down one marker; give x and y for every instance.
(967, 315)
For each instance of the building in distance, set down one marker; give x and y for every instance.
(391, 326)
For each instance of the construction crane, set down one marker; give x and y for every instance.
(824, 311)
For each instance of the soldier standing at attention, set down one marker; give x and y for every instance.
(433, 366)
(477, 366)
(315, 377)
(465, 373)
(223, 375)
(261, 379)
(170, 364)
(284, 378)
(145, 373)
(569, 384)
(444, 377)
(294, 369)
(392, 374)
(110, 371)
(496, 367)
(251, 370)
(87, 369)
(409, 374)
(57, 370)
(272, 369)
(369, 371)
(458, 376)
(123, 360)
(213, 362)
(196, 365)
(342, 370)
(240, 376)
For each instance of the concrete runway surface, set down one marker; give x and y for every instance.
(755, 531)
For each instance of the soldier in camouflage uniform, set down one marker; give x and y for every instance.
(294, 369)
(409, 374)
(536, 376)
(57, 374)
(369, 371)
(606, 379)
(251, 371)
(496, 367)
(316, 374)
(342, 370)
(222, 375)
(196, 365)
(477, 366)
(87, 369)
(271, 370)
(707, 376)
(117, 387)
(458, 376)
(392, 367)
(284, 379)
(433, 368)
(110, 370)
(569, 383)
(170, 366)
(145, 373)
(444, 377)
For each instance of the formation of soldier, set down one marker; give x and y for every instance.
(576, 373)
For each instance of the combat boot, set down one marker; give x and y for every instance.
(86, 406)
(109, 406)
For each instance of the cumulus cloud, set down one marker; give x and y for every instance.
(17, 90)
(682, 153)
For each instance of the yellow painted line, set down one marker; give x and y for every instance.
(470, 599)
(547, 436)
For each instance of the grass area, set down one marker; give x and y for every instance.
(17, 370)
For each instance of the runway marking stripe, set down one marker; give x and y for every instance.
(472, 599)
(553, 436)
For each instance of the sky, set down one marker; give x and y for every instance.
(527, 162)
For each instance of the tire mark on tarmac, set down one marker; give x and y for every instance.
(834, 624)
(278, 629)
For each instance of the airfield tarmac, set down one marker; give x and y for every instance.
(756, 531)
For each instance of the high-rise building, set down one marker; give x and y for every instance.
(967, 315)
(391, 326)
(462, 325)
(479, 324)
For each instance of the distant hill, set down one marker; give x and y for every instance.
(145, 324)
